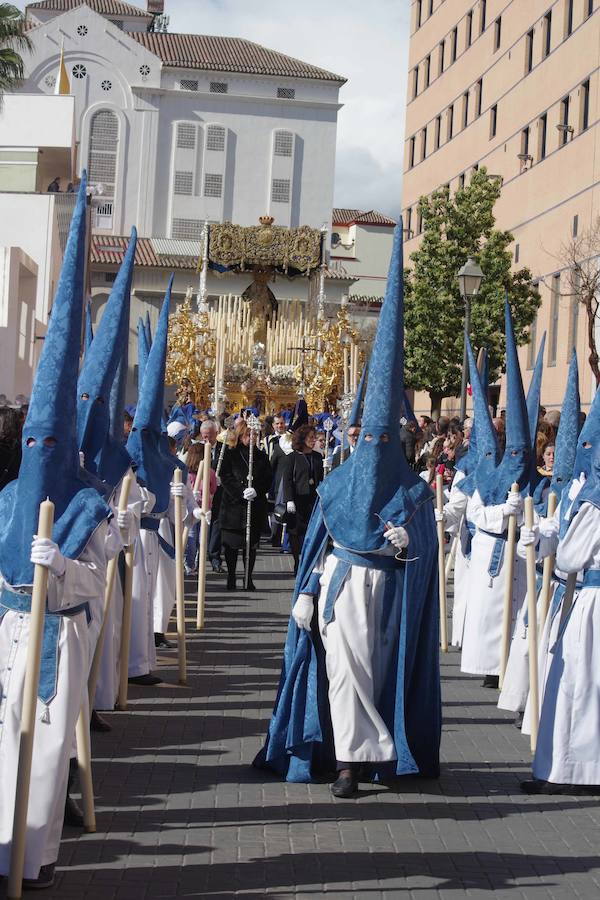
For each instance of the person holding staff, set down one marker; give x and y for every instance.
(76, 560)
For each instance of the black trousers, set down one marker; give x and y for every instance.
(214, 542)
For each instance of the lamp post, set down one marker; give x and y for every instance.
(469, 282)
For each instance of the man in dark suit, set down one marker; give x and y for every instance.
(276, 458)
(340, 456)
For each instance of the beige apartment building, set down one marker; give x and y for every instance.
(513, 85)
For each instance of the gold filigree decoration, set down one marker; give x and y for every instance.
(265, 245)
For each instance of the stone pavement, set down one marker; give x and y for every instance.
(182, 814)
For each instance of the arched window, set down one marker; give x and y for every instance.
(104, 147)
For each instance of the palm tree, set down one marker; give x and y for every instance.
(12, 40)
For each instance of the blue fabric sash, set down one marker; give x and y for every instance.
(20, 601)
(466, 538)
(497, 553)
(151, 524)
(592, 578)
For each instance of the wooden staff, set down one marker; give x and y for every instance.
(548, 569)
(203, 544)
(179, 580)
(509, 562)
(28, 710)
(84, 766)
(532, 632)
(125, 629)
(111, 573)
(439, 495)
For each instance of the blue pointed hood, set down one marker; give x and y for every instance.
(589, 439)
(148, 330)
(357, 406)
(89, 329)
(407, 410)
(100, 368)
(145, 445)
(468, 462)
(50, 462)
(534, 393)
(143, 352)
(376, 482)
(484, 453)
(568, 431)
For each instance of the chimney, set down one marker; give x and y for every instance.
(156, 7)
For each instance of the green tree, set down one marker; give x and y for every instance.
(13, 41)
(455, 227)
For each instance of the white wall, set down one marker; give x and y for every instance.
(37, 121)
(18, 283)
(367, 258)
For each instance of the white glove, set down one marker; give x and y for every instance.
(200, 514)
(549, 527)
(290, 507)
(439, 516)
(198, 497)
(396, 535)
(45, 552)
(576, 486)
(303, 610)
(529, 536)
(124, 519)
(513, 505)
(218, 477)
(177, 490)
(250, 494)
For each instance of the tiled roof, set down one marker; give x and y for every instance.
(351, 216)
(227, 54)
(109, 251)
(102, 7)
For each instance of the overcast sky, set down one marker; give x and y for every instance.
(367, 43)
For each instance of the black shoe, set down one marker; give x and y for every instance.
(161, 641)
(539, 786)
(145, 680)
(97, 723)
(73, 814)
(491, 681)
(346, 785)
(251, 585)
(519, 720)
(218, 569)
(231, 583)
(44, 880)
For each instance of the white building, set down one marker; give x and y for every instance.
(361, 242)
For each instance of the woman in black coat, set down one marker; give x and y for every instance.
(302, 474)
(11, 427)
(235, 497)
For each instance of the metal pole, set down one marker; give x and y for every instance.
(463, 387)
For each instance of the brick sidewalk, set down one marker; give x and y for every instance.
(182, 814)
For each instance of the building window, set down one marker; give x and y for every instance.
(408, 220)
(280, 190)
(453, 45)
(529, 52)
(554, 314)
(419, 13)
(104, 144)
(584, 101)
(423, 143)
(525, 142)
(419, 221)
(575, 228)
(215, 138)
(213, 185)
(532, 348)
(79, 71)
(284, 93)
(568, 18)
(482, 16)
(478, 97)
(186, 136)
(411, 153)
(542, 132)
(547, 34)
(573, 314)
(493, 120)
(465, 110)
(184, 183)
(461, 181)
(188, 84)
(427, 70)
(218, 87)
(450, 123)
(415, 89)
(497, 33)
(442, 50)
(589, 8)
(186, 229)
(474, 169)
(564, 121)
(438, 132)
(469, 34)
(284, 143)
(430, 7)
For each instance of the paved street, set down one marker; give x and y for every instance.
(182, 814)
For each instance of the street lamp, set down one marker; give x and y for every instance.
(469, 281)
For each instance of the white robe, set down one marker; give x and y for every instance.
(142, 653)
(108, 677)
(482, 634)
(454, 512)
(357, 657)
(568, 747)
(55, 724)
(164, 597)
